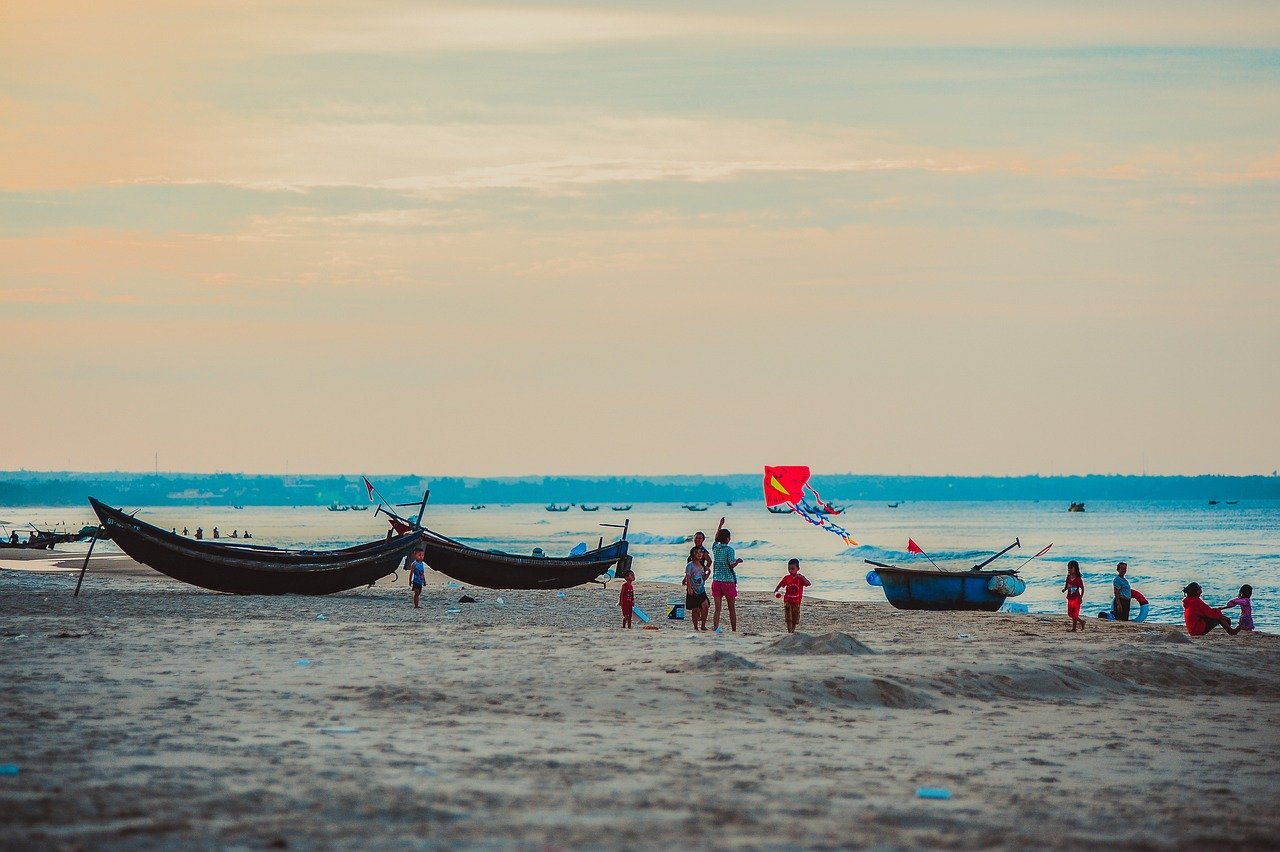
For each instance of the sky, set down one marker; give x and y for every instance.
(648, 238)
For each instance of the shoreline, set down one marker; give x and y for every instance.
(153, 713)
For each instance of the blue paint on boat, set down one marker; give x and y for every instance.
(911, 588)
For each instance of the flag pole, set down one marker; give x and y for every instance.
(911, 542)
(1037, 556)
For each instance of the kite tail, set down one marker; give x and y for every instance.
(807, 513)
(822, 504)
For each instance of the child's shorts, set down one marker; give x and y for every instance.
(693, 603)
(723, 588)
(417, 587)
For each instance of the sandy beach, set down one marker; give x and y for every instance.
(149, 714)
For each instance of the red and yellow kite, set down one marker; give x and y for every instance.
(785, 485)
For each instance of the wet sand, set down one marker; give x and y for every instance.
(148, 713)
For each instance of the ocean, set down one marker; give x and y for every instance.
(1167, 544)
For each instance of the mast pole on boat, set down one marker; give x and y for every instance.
(979, 567)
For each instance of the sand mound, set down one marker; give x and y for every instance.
(828, 643)
(1176, 637)
(722, 661)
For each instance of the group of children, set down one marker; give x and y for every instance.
(1199, 617)
(720, 567)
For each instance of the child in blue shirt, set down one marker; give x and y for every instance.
(417, 576)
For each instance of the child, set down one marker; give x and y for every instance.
(695, 581)
(1075, 594)
(627, 598)
(417, 576)
(1245, 602)
(795, 583)
(724, 578)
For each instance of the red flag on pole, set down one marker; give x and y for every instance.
(912, 547)
(368, 486)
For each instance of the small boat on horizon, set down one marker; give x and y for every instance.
(781, 510)
(896, 505)
(626, 508)
(552, 507)
(695, 507)
(477, 507)
(584, 507)
(1076, 507)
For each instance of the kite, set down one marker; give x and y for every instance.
(786, 485)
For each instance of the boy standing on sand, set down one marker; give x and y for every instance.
(417, 576)
(627, 598)
(795, 583)
(1123, 592)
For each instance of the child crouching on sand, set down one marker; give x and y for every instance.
(417, 576)
(627, 598)
(795, 583)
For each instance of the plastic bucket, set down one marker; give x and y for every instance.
(675, 610)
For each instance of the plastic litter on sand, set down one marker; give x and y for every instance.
(321, 617)
(339, 729)
(303, 663)
(933, 793)
(8, 769)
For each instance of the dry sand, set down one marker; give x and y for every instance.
(150, 714)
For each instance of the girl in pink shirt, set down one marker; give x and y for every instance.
(1245, 602)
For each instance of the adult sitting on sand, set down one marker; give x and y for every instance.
(1199, 616)
(1123, 592)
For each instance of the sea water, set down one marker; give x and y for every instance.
(1167, 544)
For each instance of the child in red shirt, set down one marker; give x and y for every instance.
(627, 598)
(795, 583)
(1075, 594)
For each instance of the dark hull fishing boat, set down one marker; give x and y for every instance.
(252, 569)
(493, 569)
(44, 540)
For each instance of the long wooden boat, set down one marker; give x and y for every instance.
(916, 588)
(493, 569)
(43, 539)
(253, 569)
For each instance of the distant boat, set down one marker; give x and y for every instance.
(237, 507)
(1076, 507)
(1232, 502)
(335, 506)
(584, 507)
(895, 505)
(781, 510)
(1213, 502)
(626, 508)
(694, 507)
(43, 539)
(552, 507)
(358, 508)
(477, 506)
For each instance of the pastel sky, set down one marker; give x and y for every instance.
(572, 238)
